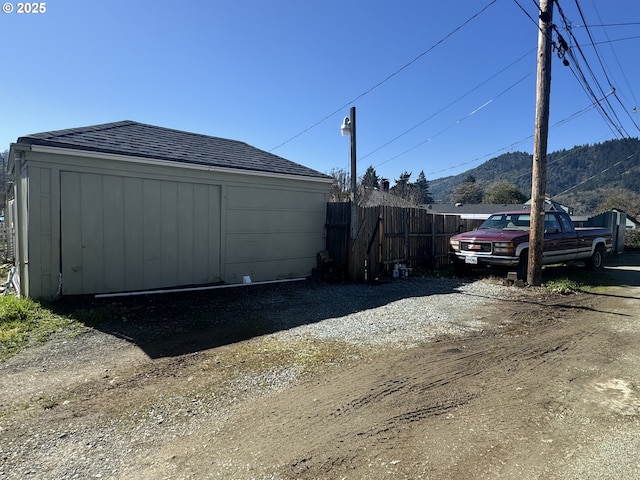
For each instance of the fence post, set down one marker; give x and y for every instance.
(405, 226)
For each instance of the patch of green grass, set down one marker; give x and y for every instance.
(572, 279)
(24, 322)
(564, 286)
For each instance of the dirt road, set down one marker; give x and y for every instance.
(546, 386)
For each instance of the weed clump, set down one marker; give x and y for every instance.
(24, 322)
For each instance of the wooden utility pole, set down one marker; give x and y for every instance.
(539, 176)
(354, 175)
(354, 253)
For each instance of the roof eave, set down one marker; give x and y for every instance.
(169, 163)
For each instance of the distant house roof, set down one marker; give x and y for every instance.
(550, 204)
(372, 198)
(483, 210)
(631, 222)
(478, 210)
(148, 141)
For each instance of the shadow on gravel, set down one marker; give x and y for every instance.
(624, 270)
(172, 324)
(620, 271)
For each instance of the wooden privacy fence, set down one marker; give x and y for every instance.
(386, 236)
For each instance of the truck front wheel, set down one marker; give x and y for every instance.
(460, 269)
(596, 261)
(523, 266)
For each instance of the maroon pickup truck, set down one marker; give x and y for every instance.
(503, 240)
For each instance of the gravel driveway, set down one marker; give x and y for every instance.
(416, 378)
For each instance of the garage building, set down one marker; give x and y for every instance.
(125, 206)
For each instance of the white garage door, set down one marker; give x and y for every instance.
(124, 234)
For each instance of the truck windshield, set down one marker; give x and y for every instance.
(507, 221)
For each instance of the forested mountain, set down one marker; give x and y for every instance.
(581, 177)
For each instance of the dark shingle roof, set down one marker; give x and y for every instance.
(148, 141)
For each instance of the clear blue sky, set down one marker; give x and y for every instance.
(438, 86)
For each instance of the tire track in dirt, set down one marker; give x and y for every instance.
(357, 413)
(459, 406)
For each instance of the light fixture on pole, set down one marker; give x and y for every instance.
(348, 128)
(345, 129)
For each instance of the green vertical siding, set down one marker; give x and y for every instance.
(40, 246)
(114, 240)
(115, 226)
(124, 234)
(273, 232)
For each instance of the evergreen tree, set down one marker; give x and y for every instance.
(467, 192)
(401, 188)
(504, 192)
(422, 189)
(410, 193)
(370, 178)
(469, 179)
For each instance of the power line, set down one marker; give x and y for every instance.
(609, 25)
(595, 49)
(615, 56)
(457, 122)
(527, 13)
(535, 22)
(446, 106)
(597, 174)
(602, 64)
(615, 40)
(558, 124)
(582, 80)
(511, 146)
(608, 113)
(606, 110)
(389, 77)
(626, 111)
